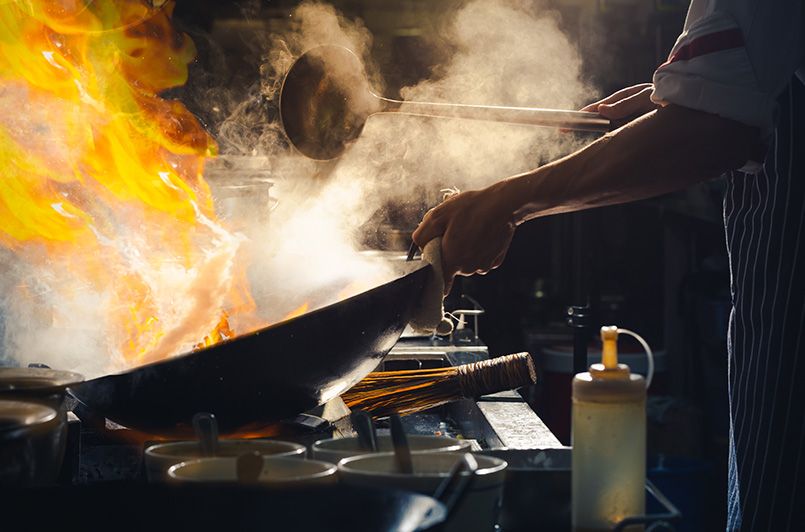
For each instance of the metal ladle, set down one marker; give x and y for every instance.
(326, 98)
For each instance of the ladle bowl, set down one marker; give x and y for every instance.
(326, 99)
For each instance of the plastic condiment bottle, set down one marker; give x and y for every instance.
(609, 442)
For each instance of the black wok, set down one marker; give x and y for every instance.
(157, 507)
(265, 376)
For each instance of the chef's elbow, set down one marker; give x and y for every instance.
(732, 145)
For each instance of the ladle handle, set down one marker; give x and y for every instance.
(574, 120)
(206, 428)
(365, 427)
(402, 451)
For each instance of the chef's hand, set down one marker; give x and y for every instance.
(476, 229)
(630, 102)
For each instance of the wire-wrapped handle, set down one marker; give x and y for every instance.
(496, 375)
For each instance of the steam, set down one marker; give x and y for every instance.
(501, 53)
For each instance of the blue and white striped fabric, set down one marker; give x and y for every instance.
(764, 215)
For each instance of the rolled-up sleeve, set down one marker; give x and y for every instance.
(733, 59)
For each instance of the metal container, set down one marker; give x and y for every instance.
(31, 444)
(160, 457)
(336, 449)
(476, 510)
(277, 472)
(46, 387)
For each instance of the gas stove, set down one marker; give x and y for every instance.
(101, 451)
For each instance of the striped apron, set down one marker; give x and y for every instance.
(764, 216)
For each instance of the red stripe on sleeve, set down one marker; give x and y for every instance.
(707, 44)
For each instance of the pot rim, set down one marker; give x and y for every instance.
(346, 465)
(37, 380)
(327, 471)
(157, 450)
(325, 444)
(23, 415)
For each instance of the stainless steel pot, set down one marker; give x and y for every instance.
(31, 444)
(46, 387)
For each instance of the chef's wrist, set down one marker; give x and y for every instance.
(505, 200)
(522, 197)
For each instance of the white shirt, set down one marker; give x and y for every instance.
(733, 58)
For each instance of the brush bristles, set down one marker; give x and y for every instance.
(410, 391)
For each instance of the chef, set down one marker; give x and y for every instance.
(730, 98)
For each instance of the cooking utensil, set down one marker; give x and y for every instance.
(42, 385)
(408, 391)
(365, 427)
(185, 506)
(335, 449)
(412, 249)
(38, 384)
(264, 376)
(326, 98)
(31, 446)
(206, 428)
(276, 472)
(402, 452)
(160, 457)
(474, 502)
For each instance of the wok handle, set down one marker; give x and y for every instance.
(453, 489)
(574, 120)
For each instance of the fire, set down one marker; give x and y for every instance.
(295, 313)
(102, 182)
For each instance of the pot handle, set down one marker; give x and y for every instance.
(453, 489)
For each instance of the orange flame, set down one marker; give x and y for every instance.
(295, 313)
(105, 175)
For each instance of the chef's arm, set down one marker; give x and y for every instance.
(664, 150)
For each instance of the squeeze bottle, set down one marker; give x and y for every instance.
(609, 442)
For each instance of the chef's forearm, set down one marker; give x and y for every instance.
(663, 151)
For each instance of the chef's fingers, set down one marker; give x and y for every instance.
(617, 96)
(431, 226)
(634, 105)
(626, 92)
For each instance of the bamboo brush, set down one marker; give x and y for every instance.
(405, 392)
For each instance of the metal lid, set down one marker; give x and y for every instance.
(20, 414)
(25, 380)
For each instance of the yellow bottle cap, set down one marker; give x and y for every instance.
(609, 367)
(609, 353)
(609, 382)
